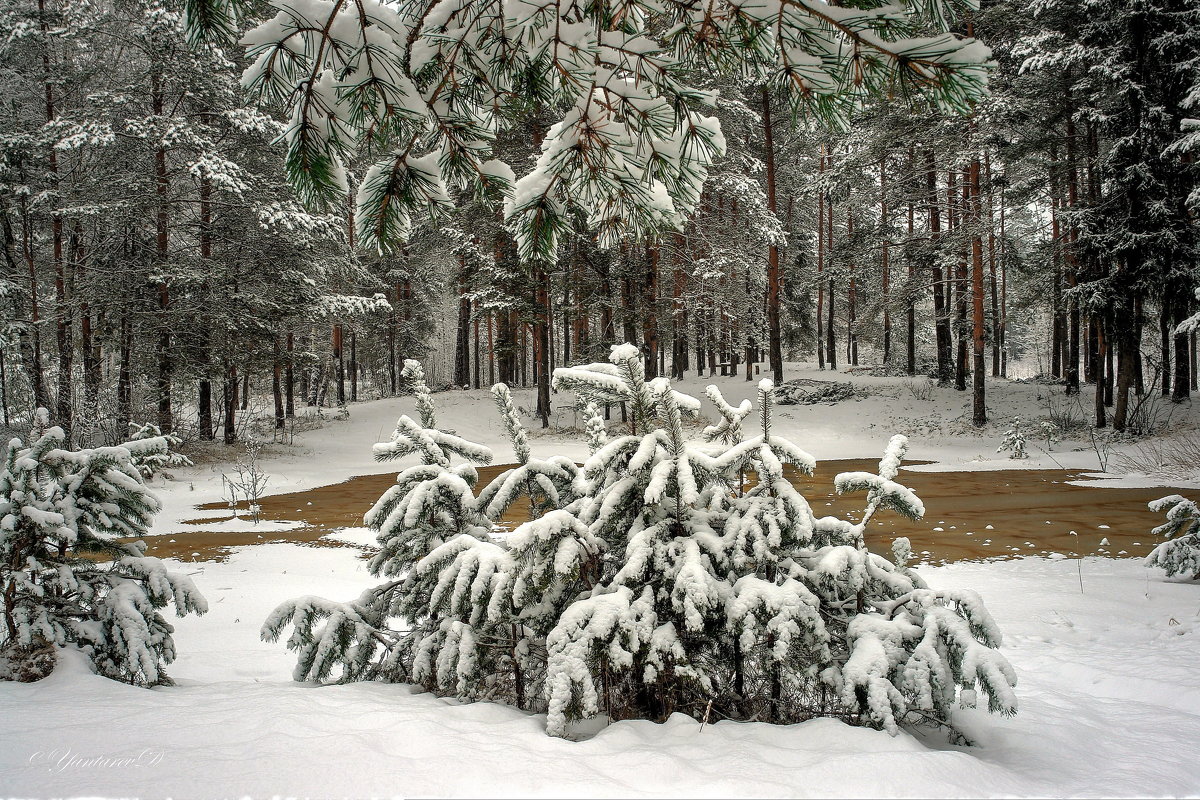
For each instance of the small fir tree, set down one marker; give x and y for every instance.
(64, 577)
(429, 518)
(1013, 441)
(153, 451)
(1180, 554)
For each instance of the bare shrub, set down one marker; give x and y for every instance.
(922, 389)
(1177, 457)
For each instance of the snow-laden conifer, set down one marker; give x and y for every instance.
(597, 430)
(1180, 554)
(153, 451)
(404, 628)
(729, 429)
(665, 583)
(65, 578)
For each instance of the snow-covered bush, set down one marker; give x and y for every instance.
(1180, 554)
(64, 578)
(656, 582)
(1013, 441)
(153, 451)
(803, 391)
(1050, 432)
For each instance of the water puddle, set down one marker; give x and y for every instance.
(969, 515)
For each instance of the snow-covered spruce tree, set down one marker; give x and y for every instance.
(161, 452)
(597, 430)
(65, 579)
(729, 429)
(404, 629)
(1180, 554)
(1013, 441)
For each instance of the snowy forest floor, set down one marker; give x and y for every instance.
(1105, 651)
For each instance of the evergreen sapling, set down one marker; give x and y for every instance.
(65, 579)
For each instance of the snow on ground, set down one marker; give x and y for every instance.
(1105, 651)
(1110, 703)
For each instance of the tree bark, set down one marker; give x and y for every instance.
(542, 310)
(941, 318)
(1101, 353)
(1182, 384)
(162, 244)
(289, 378)
(820, 263)
(229, 394)
(277, 384)
(884, 266)
(774, 277)
(354, 366)
(462, 342)
(124, 377)
(978, 404)
(339, 364)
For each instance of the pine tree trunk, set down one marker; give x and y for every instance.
(1091, 355)
(958, 212)
(883, 265)
(774, 276)
(63, 406)
(393, 330)
(1139, 322)
(1182, 385)
(478, 355)
(542, 310)
(820, 264)
(277, 384)
(1127, 356)
(1192, 359)
(204, 418)
(679, 344)
(339, 365)
(289, 377)
(229, 395)
(991, 255)
(910, 305)
(650, 311)
(1071, 261)
(204, 390)
(306, 390)
(1164, 344)
(851, 298)
(941, 318)
(353, 365)
(124, 377)
(978, 404)
(830, 333)
(1101, 353)
(462, 355)
(162, 243)
(491, 352)
(1004, 295)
